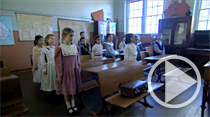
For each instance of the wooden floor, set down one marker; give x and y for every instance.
(48, 104)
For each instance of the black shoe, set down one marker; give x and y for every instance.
(70, 114)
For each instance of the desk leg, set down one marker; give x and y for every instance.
(205, 89)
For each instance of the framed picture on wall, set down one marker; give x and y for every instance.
(30, 25)
(6, 33)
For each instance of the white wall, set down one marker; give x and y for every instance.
(69, 9)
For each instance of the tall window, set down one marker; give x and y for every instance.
(204, 17)
(144, 16)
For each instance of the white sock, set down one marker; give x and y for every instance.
(73, 104)
(68, 107)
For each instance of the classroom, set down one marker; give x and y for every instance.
(145, 58)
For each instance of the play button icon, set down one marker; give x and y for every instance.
(176, 81)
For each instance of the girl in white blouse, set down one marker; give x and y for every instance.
(36, 68)
(97, 49)
(49, 76)
(130, 52)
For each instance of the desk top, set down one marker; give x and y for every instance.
(12, 76)
(156, 58)
(197, 49)
(104, 67)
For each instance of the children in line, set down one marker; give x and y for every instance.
(49, 76)
(85, 47)
(122, 43)
(159, 48)
(36, 68)
(130, 51)
(68, 68)
(110, 53)
(97, 49)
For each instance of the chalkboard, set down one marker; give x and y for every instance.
(77, 26)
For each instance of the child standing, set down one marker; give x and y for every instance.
(130, 51)
(122, 43)
(97, 49)
(110, 53)
(49, 77)
(85, 47)
(68, 68)
(36, 68)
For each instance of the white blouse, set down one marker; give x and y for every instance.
(121, 45)
(130, 52)
(47, 56)
(97, 50)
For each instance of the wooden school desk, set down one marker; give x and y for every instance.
(206, 87)
(154, 59)
(104, 67)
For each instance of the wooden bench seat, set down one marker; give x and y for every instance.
(124, 102)
(110, 81)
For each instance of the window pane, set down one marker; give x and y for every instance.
(160, 3)
(130, 22)
(149, 3)
(209, 16)
(148, 27)
(131, 6)
(148, 20)
(135, 22)
(140, 13)
(149, 11)
(208, 28)
(158, 18)
(136, 5)
(130, 30)
(139, 21)
(205, 4)
(202, 25)
(134, 29)
(135, 13)
(203, 14)
(155, 3)
(153, 21)
(154, 11)
(131, 14)
(160, 10)
(140, 4)
(139, 29)
(153, 27)
(156, 30)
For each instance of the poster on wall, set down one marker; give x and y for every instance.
(77, 26)
(6, 33)
(31, 25)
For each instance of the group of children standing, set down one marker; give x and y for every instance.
(58, 68)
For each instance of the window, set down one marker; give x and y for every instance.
(204, 16)
(144, 16)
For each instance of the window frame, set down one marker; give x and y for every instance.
(198, 9)
(143, 28)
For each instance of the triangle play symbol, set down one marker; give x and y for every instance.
(176, 81)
